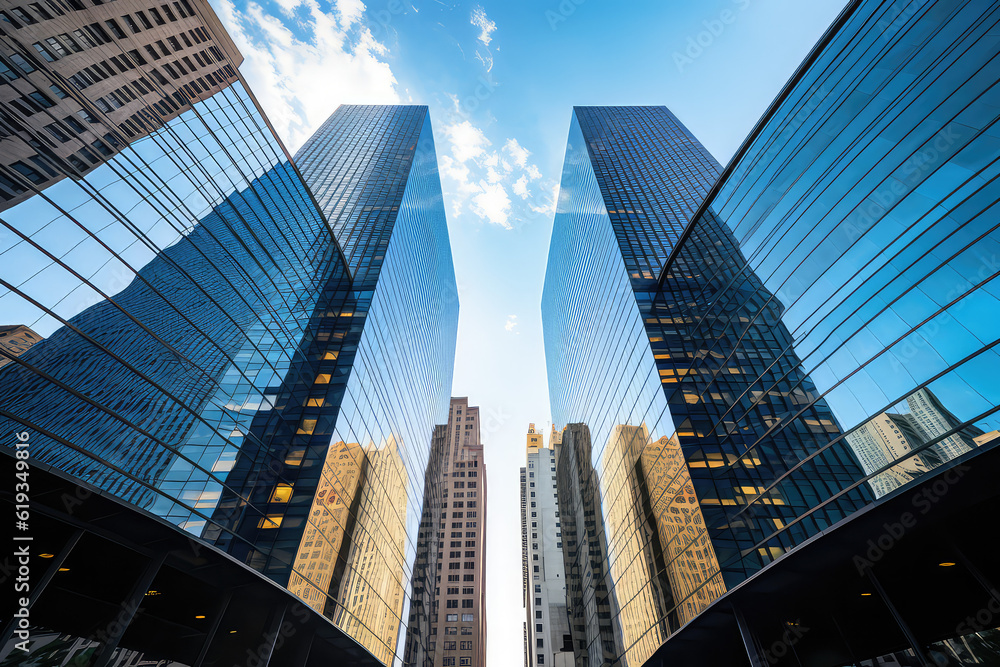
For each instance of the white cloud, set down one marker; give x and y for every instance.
(305, 64)
(517, 152)
(474, 175)
(467, 141)
(493, 204)
(485, 25)
(520, 187)
(511, 323)
(486, 30)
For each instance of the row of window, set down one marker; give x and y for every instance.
(453, 604)
(19, 17)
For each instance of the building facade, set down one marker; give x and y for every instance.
(248, 349)
(547, 636)
(456, 631)
(760, 354)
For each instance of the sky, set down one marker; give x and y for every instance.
(500, 78)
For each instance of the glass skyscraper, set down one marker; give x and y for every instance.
(753, 362)
(215, 337)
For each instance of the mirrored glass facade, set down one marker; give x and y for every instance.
(805, 337)
(254, 353)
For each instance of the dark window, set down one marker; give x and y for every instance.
(115, 28)
(28, 172)
(41, 11)
(143, 20)
(131, 24)
(73, 46)
(23, 15)
(56, 132)
(4, 16)
(156, 16)
(170, 14)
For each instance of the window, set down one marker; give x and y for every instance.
(452, 604)
(465, 662)
(43, 52)
(539, 643)
(448, 662)
(451, 630)
(6, 73)
(466, 631)
(449, 646)
(538, 627)
(469, 577)
(466, 604)
(451, 618)
(131, 24)
(115, 29)
(541, 659)
(467, 618)
(56, 46)
(538, 613)
(466, 646)
(467, 590)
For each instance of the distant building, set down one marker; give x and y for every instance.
(457, 633)
(547, 633)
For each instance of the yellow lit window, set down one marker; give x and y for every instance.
(307, 428)
(270, 521)
(323, 378)
(281, 494)
(314, 403)
(295, 457)
(331, 354)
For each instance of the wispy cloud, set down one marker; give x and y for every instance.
(486, 30)
(305, 62)
(511, 324)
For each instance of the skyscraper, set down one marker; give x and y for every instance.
(733, 344)
(457, 631)
(246, 360)
(547, 624)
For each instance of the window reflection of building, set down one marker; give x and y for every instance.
(885, 440)
(370, 600)
(331, 518)
(692, 567)
(662, 562)
(103, 76)
(589, 598)
(418, 651)
(15, 340)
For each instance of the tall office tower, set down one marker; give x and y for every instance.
(547, 638)
(218, 398)
(743, 356)
(457, 632)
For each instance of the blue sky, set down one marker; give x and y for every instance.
(500, 79)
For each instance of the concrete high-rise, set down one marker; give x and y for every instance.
(547, 635)
(237, 359)
(457, 620)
